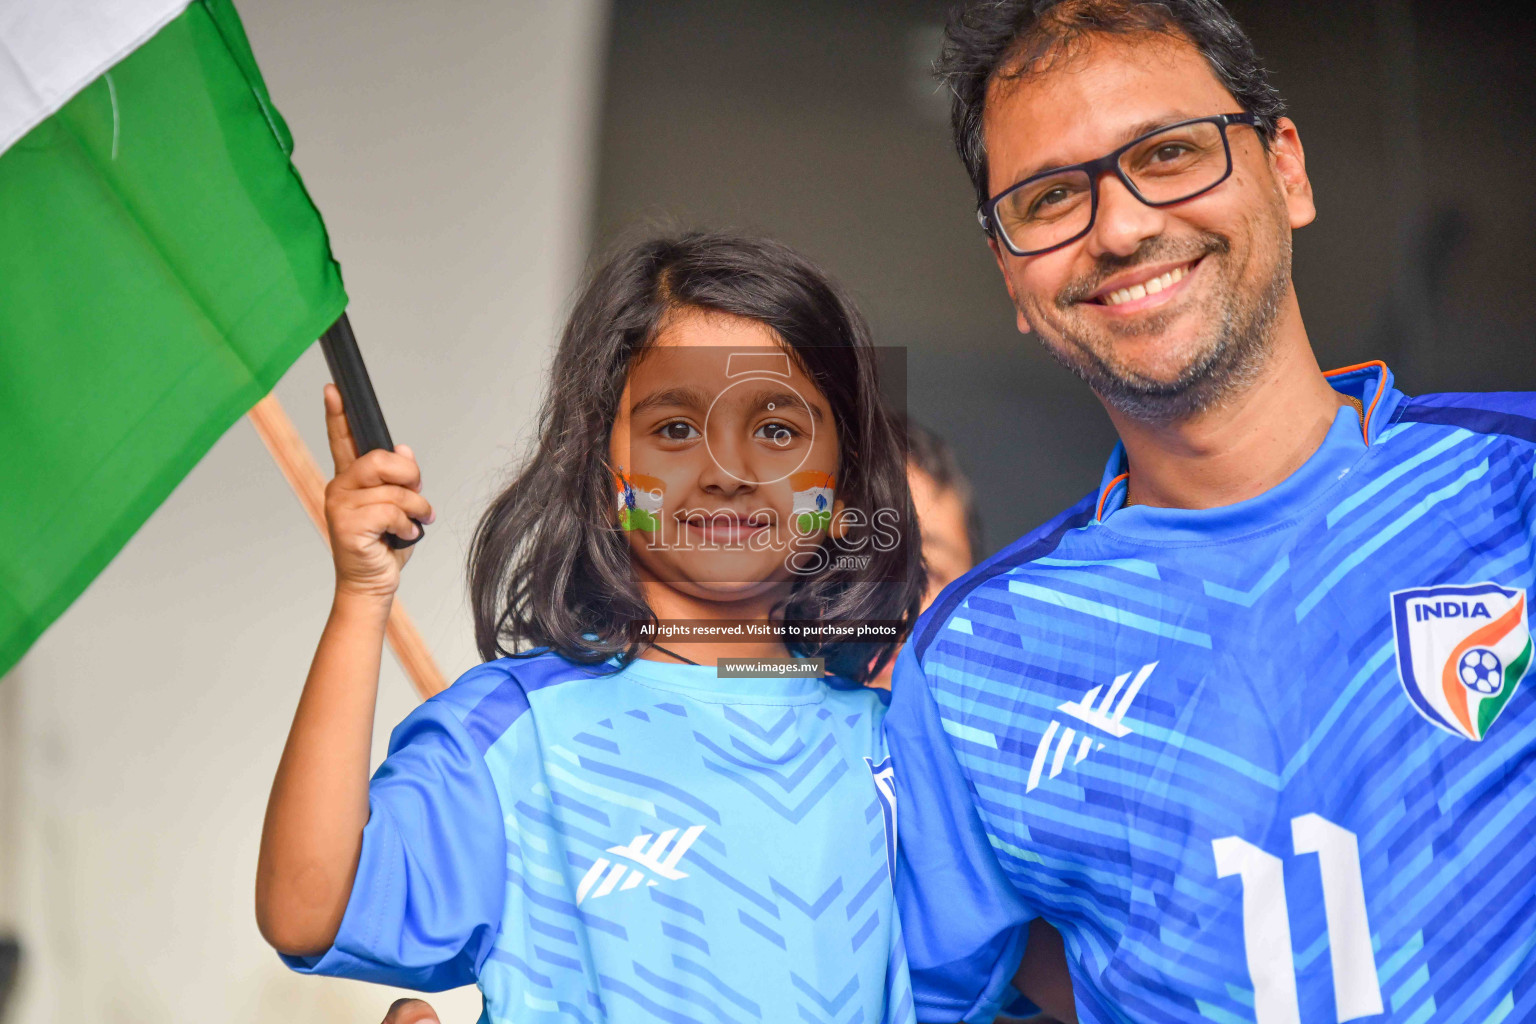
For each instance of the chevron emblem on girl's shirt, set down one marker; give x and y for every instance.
(650, 854)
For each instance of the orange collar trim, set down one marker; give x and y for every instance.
(1365, 427)
(1365, 421)
(1116, 482)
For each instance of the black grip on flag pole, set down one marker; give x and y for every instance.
(364, 416)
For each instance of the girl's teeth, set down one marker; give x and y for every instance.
(1141, 291)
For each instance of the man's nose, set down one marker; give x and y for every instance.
(1123, 222)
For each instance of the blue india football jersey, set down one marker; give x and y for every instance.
(651, 844)
(1270, 763)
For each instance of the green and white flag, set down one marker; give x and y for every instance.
(161, 266)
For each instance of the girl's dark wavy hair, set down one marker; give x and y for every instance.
(548, 568)
(986, 40)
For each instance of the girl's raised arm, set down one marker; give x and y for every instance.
(313, 832)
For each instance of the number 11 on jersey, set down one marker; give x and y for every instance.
(1267, 921)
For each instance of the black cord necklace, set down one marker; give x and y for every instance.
(674, 654)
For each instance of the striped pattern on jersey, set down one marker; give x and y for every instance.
(1191, 748)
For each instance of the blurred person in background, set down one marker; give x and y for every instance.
(411, 1011)
(946, 508)
(1259, 694)
(946, 514)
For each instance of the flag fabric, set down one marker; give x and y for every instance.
(56, 48)
(161, 266)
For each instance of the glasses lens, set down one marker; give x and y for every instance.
(1045, 211)
(1177, 163)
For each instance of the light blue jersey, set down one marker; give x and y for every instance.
(652, 844)
(1270, 763)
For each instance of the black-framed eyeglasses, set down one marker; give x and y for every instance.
(1057, 207)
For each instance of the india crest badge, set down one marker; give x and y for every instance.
(1461, 652)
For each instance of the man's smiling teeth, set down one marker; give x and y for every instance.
(1141, 291)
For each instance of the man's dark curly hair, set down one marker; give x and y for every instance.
(991, 39)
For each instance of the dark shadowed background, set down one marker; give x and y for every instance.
(817, 122)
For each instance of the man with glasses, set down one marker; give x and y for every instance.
(1246, 725)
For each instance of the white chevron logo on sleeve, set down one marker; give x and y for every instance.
(656, 855)
(1102, 717)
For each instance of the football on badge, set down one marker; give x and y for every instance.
(1461, 652)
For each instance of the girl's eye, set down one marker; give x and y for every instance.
(780, 434)
(678, 430)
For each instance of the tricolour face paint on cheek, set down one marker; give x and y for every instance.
(639, 501)
(811, 501)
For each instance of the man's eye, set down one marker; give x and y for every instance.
(1055, 200)
(780, 434)
(678, 430)
(1051, 197)
(1170, 151)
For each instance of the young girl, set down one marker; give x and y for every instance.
(600, 824)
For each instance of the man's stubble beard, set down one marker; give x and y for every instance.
(1226, 362)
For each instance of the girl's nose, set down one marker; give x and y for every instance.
(727, 469)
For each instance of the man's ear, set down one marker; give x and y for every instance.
(1290, 165)
(1002, 267)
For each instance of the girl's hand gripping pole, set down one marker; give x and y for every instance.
(362, 406)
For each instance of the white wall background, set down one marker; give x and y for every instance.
(449, 146)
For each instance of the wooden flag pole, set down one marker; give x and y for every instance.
(293, 457)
